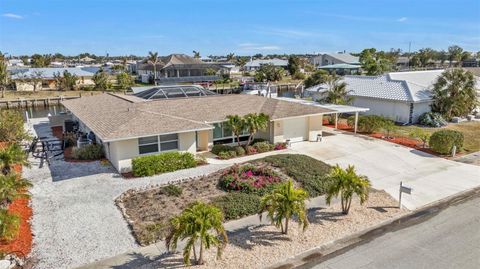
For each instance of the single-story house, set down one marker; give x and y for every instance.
(342, 69)
(334, 58)
(400, 96)
(176, 68)
(24, 78)
(253, 65)
(191, 120)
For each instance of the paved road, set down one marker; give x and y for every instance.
(447, 240)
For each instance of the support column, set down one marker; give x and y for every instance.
(336, 120)
(178, 73)
(356, 122)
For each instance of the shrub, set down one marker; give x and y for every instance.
(442, 141)
(88, 152)
(162, 163)
(172, 190)
(12, 128)
(9, 225)
(249, 179)
(432, 119)
(201, 160)
(151, 233)
(280, 146)
(368, 123)
(256, 140)
(250, 150)
(240, 151)
(311, 173)
(225, 155)
(263, 146)
(216, 149)
(236, 204)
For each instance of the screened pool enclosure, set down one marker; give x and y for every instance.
(171, 92)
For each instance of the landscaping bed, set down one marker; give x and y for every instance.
(235, 190)
(225, 152)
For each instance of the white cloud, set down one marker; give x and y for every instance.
(402, 19)
(12, 16)
(254, 46)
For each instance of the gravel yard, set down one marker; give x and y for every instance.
(261, 246)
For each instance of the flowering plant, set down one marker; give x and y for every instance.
(248, 178)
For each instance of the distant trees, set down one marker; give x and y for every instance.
(65, 81)
(454, 54)
(4, 74)
(230, 57)
(454, 93)
(425, 56)
(38, 60)
(153, 60)
(268, 72)
(374, 63)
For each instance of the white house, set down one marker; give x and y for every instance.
(256, 64)
(334, 58)
(400, 96)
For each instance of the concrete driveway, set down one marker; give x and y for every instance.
(386, 164)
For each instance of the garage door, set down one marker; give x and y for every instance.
(295, 129)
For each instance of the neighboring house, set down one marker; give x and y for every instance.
(177, 68)
(129, 126)
(256, 64)
(400, 96)
(15, 63)
(23, 77)
(334, 58)
(342, 69)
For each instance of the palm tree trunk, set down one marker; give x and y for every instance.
(286, 226)
(343, 204)
(349, 203)
(238, 139)
(200, 258)
(194, 253)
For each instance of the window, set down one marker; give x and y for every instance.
(169, 142)
(148, 144)
(223, 134)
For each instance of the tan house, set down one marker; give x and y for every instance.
(129, 126)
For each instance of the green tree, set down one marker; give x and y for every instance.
(293, 66)
(9, 225)
(346, 183)
(101, 80)
(268, 72)
(38, 60)
(12, 128)
(124, 80)
(4, 74)
(454, 93)
(12, 187)
(210, 72)
(196, 54)
(153, 60)
(230, 57)
(318, 77)
(374, 63)
(421, 134)
(11, 155)
(236, 124)
(284, 203)
(425, 55)
(69, 80)
(337, 93)
(454, 54)
(255, 122)
(195, 224)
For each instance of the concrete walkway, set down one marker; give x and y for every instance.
(386, 164)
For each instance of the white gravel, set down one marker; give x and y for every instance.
(75, 220)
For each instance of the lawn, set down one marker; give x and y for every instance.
(235, 190)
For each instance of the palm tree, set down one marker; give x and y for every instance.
(346, 183)
(454, 93)
(283, 203)
(153, 60)
(12, 187)
(9, 225)
(196, 54)
(194, 224)
(11, 155)
(230, 57)
(255, 122)
(338, 94)
(236, 124)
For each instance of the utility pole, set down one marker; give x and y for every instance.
(409, 48)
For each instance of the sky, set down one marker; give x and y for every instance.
(243, 27)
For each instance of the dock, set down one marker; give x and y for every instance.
(34, 102)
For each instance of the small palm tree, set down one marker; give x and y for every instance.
(283, 203)
(9, 225)
(338, 94)
(255, 122)
(12, 187)
(153, 60)
(11, 155)
(236, 124)
(196, 54)
(194, 224)
(346, 183)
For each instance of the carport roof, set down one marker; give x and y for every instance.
(332, 107)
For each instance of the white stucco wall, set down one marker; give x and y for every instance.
(419, 109)
(397, 111)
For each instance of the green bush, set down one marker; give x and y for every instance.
(263, 146)
(240, 151)
(172, 190)
(9, 225)
(225, 155)
(216, 149)
(88, 152)
(162, 163)
(311, 173)
(442, 141)
(369, 123)
(432, 119)
(201, 160)
(236, 204)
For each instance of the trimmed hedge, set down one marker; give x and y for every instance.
(162, 163)
(311, 173)
(235, 205)
(216, 149)
(442, 141)
(88, 152)
(264, 146)
(369, 123)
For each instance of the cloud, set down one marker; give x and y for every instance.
(286, 32)
(402, 19)
(254, 46)
(12, 16)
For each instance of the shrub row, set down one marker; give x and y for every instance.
(259, 146)
(162, 163)
(443, 141)
(369, 123)
(237, 204)
(88, 152)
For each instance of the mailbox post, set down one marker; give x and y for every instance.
(404, 189)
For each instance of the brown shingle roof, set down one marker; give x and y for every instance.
(114, 117)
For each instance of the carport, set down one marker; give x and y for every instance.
(336, 109)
